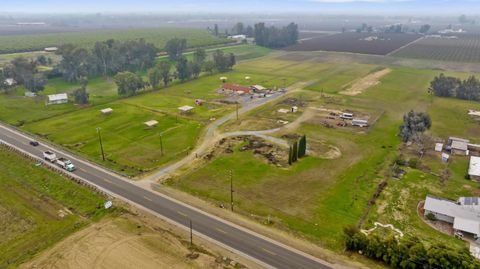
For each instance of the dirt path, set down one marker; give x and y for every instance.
(211, 136)
(364, 83)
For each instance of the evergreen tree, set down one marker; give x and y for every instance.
(302, 146)
(290, 155)
(295, 151)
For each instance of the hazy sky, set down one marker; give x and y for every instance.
(432, 7)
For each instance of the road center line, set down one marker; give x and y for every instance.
(269, 252)
(183, 214)
(220, 230)
(146, 198)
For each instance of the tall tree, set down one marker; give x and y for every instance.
(444, 86)
(154, 76)
(215, 30)
(183, 69)
(199, 56)
(24, 71)
(295, 151)
(128, 83)
(81, 95)
(425, 28)
(302, 146)
(238, 29)
(164, 68)
(469, 89)
(175, 48)
(76, 62)
(414, 124)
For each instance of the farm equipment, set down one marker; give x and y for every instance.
(66, 164)
(49, 156)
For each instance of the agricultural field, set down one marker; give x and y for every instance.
(159, 36)
(364, 43)
(331, 188)
(39, 208)
(463, 48)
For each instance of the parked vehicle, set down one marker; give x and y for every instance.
(49, 156)
(66, 164)
(347, 116)
(34, 143)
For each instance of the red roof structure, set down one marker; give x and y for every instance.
(236, 88)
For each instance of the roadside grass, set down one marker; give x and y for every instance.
(130, 146)
(100, 89)
(31, 198)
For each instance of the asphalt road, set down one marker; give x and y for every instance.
(263, 250)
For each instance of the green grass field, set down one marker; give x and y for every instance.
(38, 208)
(158, 37)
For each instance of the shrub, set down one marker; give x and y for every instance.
(430, 216)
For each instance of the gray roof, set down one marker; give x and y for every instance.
(466, 218)
(453, 138)
(469, 200)
(459, 145)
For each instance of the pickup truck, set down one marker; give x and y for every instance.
(49, 156)
(66, 164)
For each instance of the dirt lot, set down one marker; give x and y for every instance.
(125, 242)
(365, 43)
(364, 83)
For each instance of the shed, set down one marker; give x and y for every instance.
(60, 98)
(258, 88)
(452, 139)
(283, 110)
(438, 147)
(459, 148)
(106, 111)
(185, 109)
(294, 109)
(445, 157)
(474, 168)
(151, 123)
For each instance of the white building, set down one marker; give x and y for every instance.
(60, 98)
(474, 168)
(464, 215)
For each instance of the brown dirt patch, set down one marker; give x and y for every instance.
(364, 83)
(123, 242)
(270, 152)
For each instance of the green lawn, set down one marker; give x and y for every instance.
(31, 202)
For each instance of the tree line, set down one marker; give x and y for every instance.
(270, 37)
(408, 252)
(447, 86)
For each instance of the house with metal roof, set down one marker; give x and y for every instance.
(474, 168)
(459, 148)
(464, 214)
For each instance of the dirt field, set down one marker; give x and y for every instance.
(365, 43)
(364, 83)
(124, 242)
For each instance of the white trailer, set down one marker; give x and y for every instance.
(49, 156)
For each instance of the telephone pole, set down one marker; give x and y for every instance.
(101, 145)
(231, 190)
(191, 234)
(161, 143)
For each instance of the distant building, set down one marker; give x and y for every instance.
(234, 88)
(258, 88)
(151, 123)
(474, 168)
(106, 111)
(50, 49)
(55, 99)
(10, 82)
(30, 94)
(464, 214)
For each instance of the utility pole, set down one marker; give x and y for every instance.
(101, 145)
(236, 106)
(161, 143)
(191, 234)
(231, 190)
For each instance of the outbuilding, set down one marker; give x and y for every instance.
(474, 168)
(55, 99)
(106, 111)
(439, 147)
(50, 49)
(459, 148)
(151, 123)
(185, 109)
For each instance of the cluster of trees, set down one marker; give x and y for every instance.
(408, 253)
(414, 124)
(445, 86)
(81, 95)
(128, 83)
(106, 58)
(240, 29)
(24, 71)
(273, 37)
(424, 28)
(297, 150)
